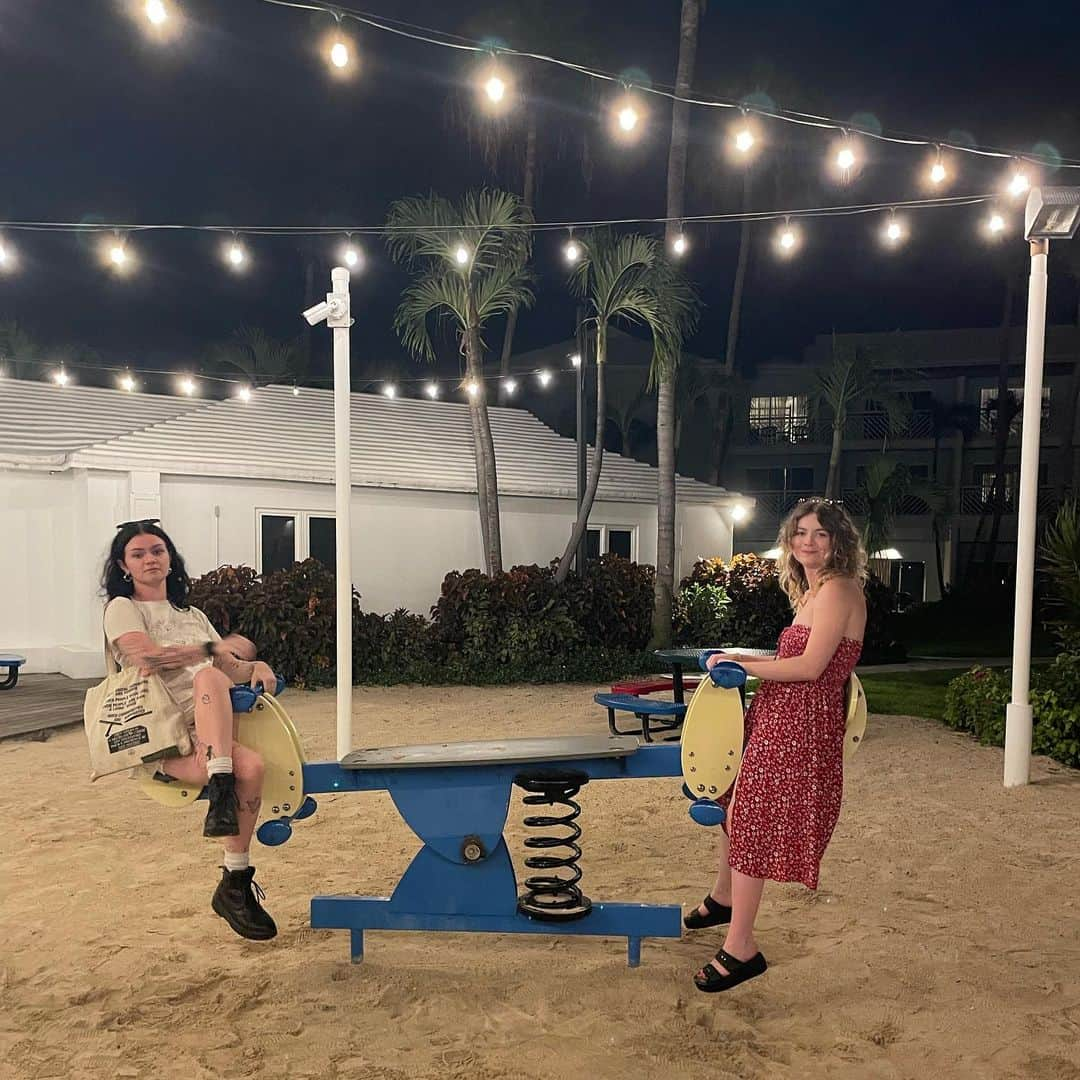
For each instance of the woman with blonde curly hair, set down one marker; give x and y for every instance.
(786, 800)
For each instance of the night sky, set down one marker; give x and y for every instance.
(239, 121)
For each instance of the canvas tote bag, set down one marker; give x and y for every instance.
(131, 719)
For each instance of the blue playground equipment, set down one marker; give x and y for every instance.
(12, 661)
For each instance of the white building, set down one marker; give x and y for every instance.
(252, 483)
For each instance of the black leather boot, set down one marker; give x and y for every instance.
(221, 817)
(236, 900)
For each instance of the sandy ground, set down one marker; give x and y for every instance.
(944, 941)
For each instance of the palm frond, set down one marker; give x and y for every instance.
(434, 297)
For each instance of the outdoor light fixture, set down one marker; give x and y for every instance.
(235, 255)
(1051, 214)
(352, 257)
(472, 389)
(739, 512)
(787, 240)
(461, 255)
(187, 386)
(744, 140)
(390, 390)
(575, 359)
(895, 231)
(544, 377)
(296, 391)
(127, 383)
(1019, 183)
(572, 251)
(117, 255)
(155, 11)
(995, 224)
(61, 377)
(680, 244)
(339, 54)
(244, 393)
(510, 386)
(938, 173)
(626, 117)
(7, 258)
(432, 390)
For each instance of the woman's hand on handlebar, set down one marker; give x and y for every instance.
(262, 675)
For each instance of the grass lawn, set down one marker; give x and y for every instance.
(909, 693)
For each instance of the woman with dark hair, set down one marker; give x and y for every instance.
(150, 625)
(786, 800)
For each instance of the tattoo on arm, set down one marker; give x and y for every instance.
(205, 699)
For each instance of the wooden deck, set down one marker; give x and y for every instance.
(41, 702)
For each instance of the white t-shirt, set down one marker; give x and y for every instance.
(165, 625)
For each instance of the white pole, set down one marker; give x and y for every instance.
(1018, 712)
(339, 320)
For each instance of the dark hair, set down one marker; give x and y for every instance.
(177, 584)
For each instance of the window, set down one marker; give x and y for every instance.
(288, 536)
(611, 540)
(779, 419)
(988, 407)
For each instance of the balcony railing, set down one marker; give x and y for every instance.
(874, 426)
(978, 499)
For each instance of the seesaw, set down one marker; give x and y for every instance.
(263, 725)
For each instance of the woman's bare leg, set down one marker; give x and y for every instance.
(213, 712)
(248, 769)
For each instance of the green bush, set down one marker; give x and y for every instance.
(222, 595)
(699, 612)
(757, 610)
(975, 702)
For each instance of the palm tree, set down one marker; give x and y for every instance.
(19, 351)
(851, 378)
(470, 261)
(261, 358)
(664, 583)
(626, 279)
(1061, 562)
(886, 483)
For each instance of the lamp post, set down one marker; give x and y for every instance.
(1052, 213)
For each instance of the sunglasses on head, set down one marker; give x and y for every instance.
(141, 521)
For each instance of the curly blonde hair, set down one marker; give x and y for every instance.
(847, 558)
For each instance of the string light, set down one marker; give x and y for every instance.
(7, 257)
(296, 391)
(118, 256)
(155, 12)
(894, 232)
(995, 224)
(339, 54)
(846, 159)
(244, 394)
(472, 389)
(937, 173)
(627, 116)
(510, 386)
(787, 239)
(61, 377)
(745, 140)
(572, 250)
(575, 360)
(544, 377)
(432, 390)
(1019, 183)
(187, 386)
(680, 245)
(494, 88)
(235, 254)
(352, 256)
(390, 390)
(461, 255)
(127, 383)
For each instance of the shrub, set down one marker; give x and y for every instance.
(699, 613)
(975, 702)
(758, 609)
(222, 595)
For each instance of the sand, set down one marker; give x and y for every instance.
(944, 940)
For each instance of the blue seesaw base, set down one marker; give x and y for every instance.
(463, 879)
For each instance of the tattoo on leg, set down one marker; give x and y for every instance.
(205, 699)
(252, 805)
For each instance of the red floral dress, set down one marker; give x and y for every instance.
(787, 796)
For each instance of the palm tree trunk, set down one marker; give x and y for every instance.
(582, 522)
(832, 484)
(664, 586)
(740, 278)
(481, 474)
(528, 197)
(487, 477)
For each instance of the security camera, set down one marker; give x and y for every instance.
(317, 314)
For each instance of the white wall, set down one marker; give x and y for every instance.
(56, 528)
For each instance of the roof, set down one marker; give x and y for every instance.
(396, 443)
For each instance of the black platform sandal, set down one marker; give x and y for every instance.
(719, 914)
(710, 981)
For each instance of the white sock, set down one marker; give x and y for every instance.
(237, 860)
(219, 765)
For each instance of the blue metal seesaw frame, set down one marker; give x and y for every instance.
(456, 797)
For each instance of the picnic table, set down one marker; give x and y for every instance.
(12, 661)
(678, 660)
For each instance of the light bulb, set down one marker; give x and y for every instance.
(679, 244)
(894, 231)
(510, 386)
(544, 377)
(937, 173)
(744, 140)
(432, 390)
(339, 54)
(187, 386)
(155, 11)
(461, 256)
(572, 251)
(739, 512)
(352, 257)
(472, 389)
(390, 390)
(296, 391)
(787, 240)
(576, 359)
(628, 118)
(235, 254)
(845, 159)
(127, 383)
(61, 377)
(495, 89)
(996, 224)
(244, 394)
(1018, 184)
(117, 255)
(7, 259)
